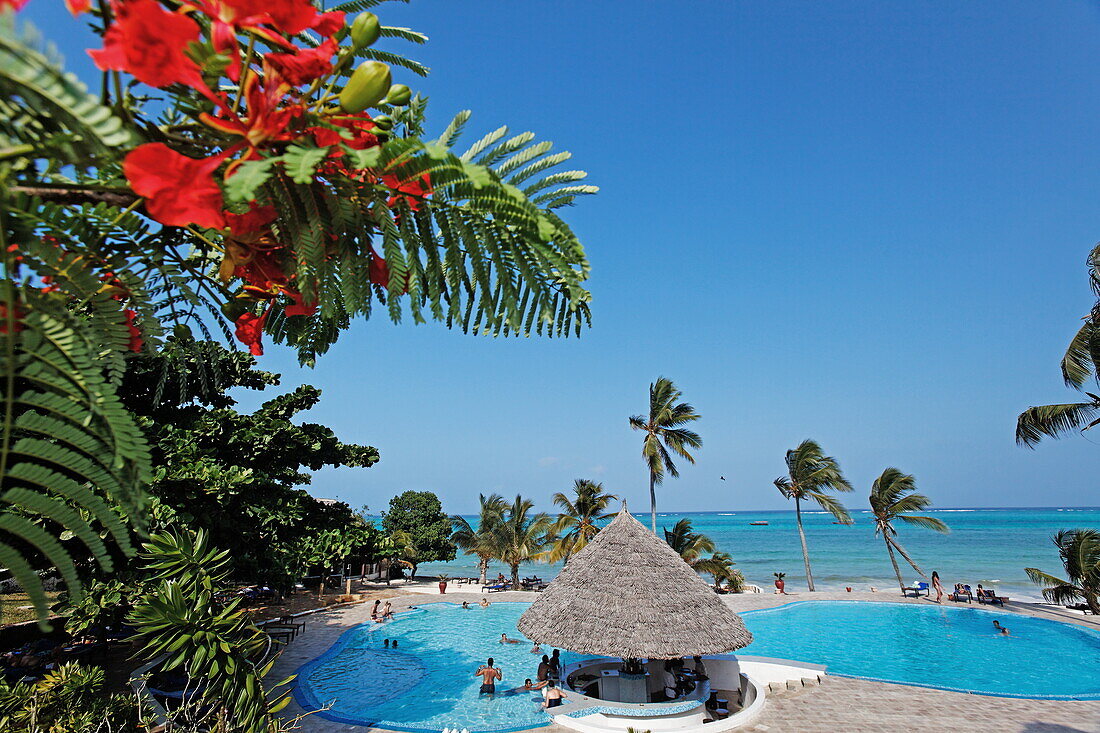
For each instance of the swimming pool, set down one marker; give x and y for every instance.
(949, 647)
(427, 683)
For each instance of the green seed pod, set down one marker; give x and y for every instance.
(383, 122)
(368, 85)
(365, 30)
(234, 309)
(182, 332)
(399, 95)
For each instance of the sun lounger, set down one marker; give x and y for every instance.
(962, 594)
(494, 587)
(916, 590)
(988, 596)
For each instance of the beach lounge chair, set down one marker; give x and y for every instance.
(962, 593)
(916, 590)
(494, 587)
(990, 597)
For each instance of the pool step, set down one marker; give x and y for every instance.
(795, 686)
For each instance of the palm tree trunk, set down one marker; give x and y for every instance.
(901, 550)
(652, 503)
(894, 562)
(1094, 603)
(805, 551)
(483, 569)
(515, 576)
(321, 588)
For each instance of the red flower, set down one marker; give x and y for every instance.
(136, 341)
(76, 7)
(251, 253)
(15, 5)
(250, 329)
(305, 65)
(151, 43)
(298, 307)
(17, 313)
(379, 272)
(179, 190)
(415, 190)
(265, 121)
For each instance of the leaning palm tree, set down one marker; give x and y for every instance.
(1080, 365)
(665, 436)
(521, 536)
(1080, 553)
(810, 476)
(480, 540)
(578, 520)
(893, 495)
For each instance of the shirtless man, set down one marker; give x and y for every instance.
(484, 603)
(505, 640)
(489, 676)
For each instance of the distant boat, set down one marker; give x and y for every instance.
(757, 524)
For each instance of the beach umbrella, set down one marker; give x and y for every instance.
(628, 594)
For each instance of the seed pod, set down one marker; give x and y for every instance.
(365, 30)
(183, 332)
(383, 122)
(234, 309)
(399, 95)
(368, 86)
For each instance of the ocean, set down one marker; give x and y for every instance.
(987, 546)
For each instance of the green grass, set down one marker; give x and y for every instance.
(16, 607)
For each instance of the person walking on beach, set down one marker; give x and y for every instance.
(489, 676)
(939, 588)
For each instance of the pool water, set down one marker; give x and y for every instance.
(952, 647)
(427, 683)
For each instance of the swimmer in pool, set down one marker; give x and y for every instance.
(536, 649)
(505, 640)
(465, 605)
(1002, 629)
(527, 686)
(484, 603)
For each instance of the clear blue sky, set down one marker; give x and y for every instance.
(864, 223)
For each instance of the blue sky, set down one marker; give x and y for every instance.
(864, 223)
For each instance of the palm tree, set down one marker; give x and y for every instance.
(892, 495)
(1080, 553)
(520, 536)
(577, 522)
(480, 541)
(1080, 364)
(693, 547)
(810, 475)
(664, 436)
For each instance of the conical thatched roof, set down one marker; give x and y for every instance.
(628, 594)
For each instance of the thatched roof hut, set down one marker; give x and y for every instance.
(628, 594)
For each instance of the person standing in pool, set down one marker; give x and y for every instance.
(544, 669)
(489, 676)
(555, 665)
(939, 588)
(551, 695)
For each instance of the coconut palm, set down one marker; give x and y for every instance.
(1080, 365)
(810, 476)
(694, 547)
(893, 495)
(664, 435)
(521, 536)
(1080, 553)
(577, 522)
(480, 540)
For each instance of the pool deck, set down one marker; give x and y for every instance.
(839, 705)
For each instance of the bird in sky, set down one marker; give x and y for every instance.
(722, 477)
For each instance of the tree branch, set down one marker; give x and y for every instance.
(74, 195)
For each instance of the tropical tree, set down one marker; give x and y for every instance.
(521, 536)
(1080, 553)
(664, 436)
(479, 540)
(811, 475)
(694, 547)
(419, 516)
(578, 520)
(260, 178)
(893, 495)
(1080, 365)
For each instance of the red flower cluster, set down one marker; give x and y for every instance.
(151, 43)
(178, 190)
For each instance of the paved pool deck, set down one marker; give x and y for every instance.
(839, 705)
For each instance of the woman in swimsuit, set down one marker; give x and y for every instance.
(939, 588)
(374, 611)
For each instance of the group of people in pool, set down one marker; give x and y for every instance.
(547, 676)
(484, 603)
(380, 612)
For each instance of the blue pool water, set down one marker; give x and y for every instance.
(428, 682)
(953, 647)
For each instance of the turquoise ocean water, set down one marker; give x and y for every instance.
(987, 546)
